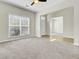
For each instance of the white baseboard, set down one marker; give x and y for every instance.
(64, 35)
(76, 44)
(16, 38)
(38, 35)
(4, 41)
(68, 36)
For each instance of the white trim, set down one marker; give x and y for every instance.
(4, 41)
(20, 25)
(52, 40)
(76, 44)
(38, 35)
(68, 36)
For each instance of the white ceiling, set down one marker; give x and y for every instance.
(36, 7)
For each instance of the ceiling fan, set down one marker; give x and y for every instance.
(36, 1)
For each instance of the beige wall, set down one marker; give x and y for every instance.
(5, 10)
(76, 21)
(68, 17)
(57, 7)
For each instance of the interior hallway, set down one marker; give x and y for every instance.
(38, 48)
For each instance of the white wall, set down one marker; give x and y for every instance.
(5, 10)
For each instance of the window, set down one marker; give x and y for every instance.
(56, 25)
(18, 25)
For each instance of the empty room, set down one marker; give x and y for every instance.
(39, 29)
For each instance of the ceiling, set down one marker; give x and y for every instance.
(41, 6)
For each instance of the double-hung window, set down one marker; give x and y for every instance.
(18, 25)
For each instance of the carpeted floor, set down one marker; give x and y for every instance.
(38, 48)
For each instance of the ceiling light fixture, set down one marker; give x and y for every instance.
(36, 1)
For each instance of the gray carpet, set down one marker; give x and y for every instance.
(38, 48)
